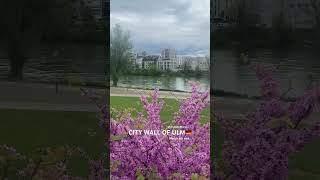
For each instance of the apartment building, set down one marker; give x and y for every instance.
(193, 63)
(150, 60)
(202, 63)
(132, 59)
(167, 60)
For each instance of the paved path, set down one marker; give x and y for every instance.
(18, 95)
(129, 92)
(234, 108)
(44, 97)
(228, 107)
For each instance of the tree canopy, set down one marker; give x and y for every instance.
(120, 51)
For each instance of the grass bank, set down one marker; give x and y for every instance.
(27, 130)
(170, 107)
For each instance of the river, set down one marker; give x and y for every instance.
(86, 62)
(164, 82)
(300, 66)
(67, 61)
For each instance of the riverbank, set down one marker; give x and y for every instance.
(189, 74)
(44, 96)
(39, 96)
(231, 106)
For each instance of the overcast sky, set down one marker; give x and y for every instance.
(156, 24)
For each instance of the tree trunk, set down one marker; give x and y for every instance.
(17, 60)
(115, 79)
(115, 82)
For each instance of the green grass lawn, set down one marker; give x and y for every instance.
(27, 130)
(170, 106)
(30, 129)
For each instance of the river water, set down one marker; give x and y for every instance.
(84, 62)
(300, 66)
(164, 82)
(68, 61)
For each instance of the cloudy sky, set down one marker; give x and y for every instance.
(156, 24)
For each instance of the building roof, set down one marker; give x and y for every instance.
(151, 58)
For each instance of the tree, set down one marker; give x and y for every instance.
(152, 70)
(161, 157)
(120, 47)
(186, 68)
(27, 22)
(207, 61)
(198, 72)
(259, 147)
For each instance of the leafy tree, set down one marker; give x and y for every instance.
(198, 71)
(186, 68)
(153, 71)
(120, 47)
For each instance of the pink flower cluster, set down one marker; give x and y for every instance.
(259, 147)
(160, 156)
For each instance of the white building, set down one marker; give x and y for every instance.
(179, 61)
(139, 59)
(183, 61)
(139, 62)
(166, 64)
(203, 63)
(200, 62)
(170, 61)
(167, 60)
(149, 61)
(132, 59)
(169, 54)
(193, 62)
